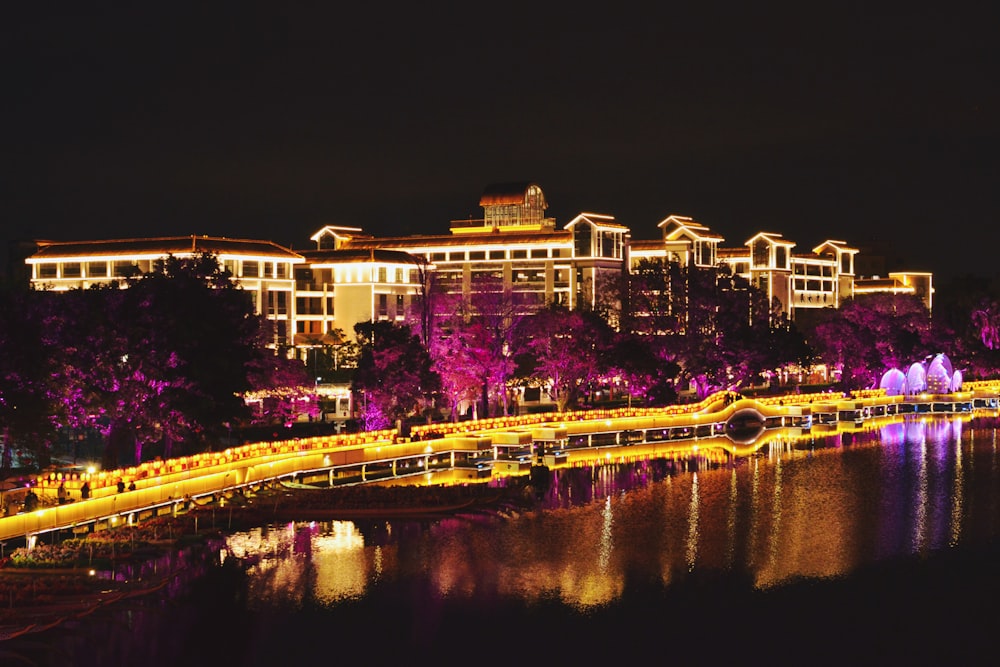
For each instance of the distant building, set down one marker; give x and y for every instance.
(263, 268)
(352, 277)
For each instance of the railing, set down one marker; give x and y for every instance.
(162, 485)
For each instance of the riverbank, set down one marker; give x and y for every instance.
(59, 581)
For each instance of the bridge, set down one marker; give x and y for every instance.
(724, 423)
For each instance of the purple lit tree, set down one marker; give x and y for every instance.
(868, 335)
(967, 314)
(450, 355)
(282, 385)
(164, 360)
(483, 326)
(712, 327)
(394, 377)
(566, 349)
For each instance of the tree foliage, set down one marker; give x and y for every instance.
(394, 375)
(871, 334)
(164, 359)
(567, 348)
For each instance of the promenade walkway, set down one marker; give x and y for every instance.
(503, 445)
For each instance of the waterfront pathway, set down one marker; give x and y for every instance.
(503, 445)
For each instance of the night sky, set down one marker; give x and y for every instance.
(267, 120)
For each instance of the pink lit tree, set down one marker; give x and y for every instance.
(868, 335)
(164, 360)
(450, 354)
(394, 377)
(566, 349)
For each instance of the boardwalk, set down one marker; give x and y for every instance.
(507, 445)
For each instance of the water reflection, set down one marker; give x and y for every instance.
(816, 507)
(606, 555)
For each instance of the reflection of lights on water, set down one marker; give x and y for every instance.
(957, 506)
(920, 509)
(731, 518)
(339, 562)
(776, 512)
(691, 545)
(607, 518)
(331, 555)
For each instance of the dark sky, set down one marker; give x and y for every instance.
(269, 120)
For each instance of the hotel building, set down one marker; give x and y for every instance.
(351, 277)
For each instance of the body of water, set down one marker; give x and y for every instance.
(874, 547)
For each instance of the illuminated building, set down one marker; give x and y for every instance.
(263, 268)
(351, 277)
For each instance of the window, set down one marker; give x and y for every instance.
(97, 269)
(608, 245)
(582, 240)
(497, 254)
(125, 269)
(519, 254)
(383, 305)
(381, 274)
(538, 253)
(438, 257)
(71, 270)
(400, 307)
(399, 275)
(279, 302)
(477, 255)
(46, 270)
(704, 253)
(760, 253)
(251, 269)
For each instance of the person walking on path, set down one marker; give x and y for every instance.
(30, 501)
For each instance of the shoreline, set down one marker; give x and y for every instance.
(72, 588)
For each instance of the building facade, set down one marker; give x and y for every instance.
(350, 277)
(263, 268)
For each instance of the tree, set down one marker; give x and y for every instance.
(331, 357)
(967, 314)
(394, 374)
(644, 365)
(482, 329)
(871, 334)
(281, 385)
(450, 354)
(164, 360)
(567, 348)
(28, 360)
(711, 326)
